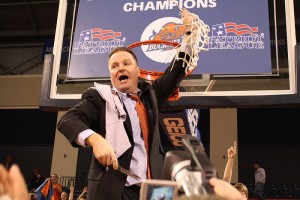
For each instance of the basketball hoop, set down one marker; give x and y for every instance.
(147, 74)
(153, 75)
(196, 40)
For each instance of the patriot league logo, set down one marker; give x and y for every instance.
(97, 41)
(230, 35)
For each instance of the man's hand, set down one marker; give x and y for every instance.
(188, 19)
(190, 26)
(103, 151)
(12, 183)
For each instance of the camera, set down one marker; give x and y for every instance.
(187, 172)
(158, 190)
(191, 169)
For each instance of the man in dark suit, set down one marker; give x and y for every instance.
(87, 125)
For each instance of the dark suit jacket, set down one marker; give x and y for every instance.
(90, 114)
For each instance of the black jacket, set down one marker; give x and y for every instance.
(90, 114)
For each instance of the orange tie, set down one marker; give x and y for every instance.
(144, 123)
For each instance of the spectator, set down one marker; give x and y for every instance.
(65, 196)
(32, 196)
(57, 188)
(8, 162)
(231, 152)
(260, 180)
(35, 181)
(225, 190)
(83, 194)
(243, 189)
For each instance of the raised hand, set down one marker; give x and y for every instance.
(231, 152)
(188, 19)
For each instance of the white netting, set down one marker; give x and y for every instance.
(197, 40)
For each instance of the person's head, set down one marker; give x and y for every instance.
(37, 173)
(124, 70)
(64, 196)
(242, 188)
(9, 159)
(32, 196)
(256, 165)
(54, 178)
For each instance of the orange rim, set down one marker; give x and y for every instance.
(153, 75)
(147, 74)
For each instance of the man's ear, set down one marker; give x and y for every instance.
(139, 71)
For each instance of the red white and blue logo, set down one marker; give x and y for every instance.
(95, 34)
(231, 36)
(227, 28)
(97, 41)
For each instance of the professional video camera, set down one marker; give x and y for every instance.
(186, 171)
(191, 169)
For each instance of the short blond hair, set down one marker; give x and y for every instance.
(242, 188)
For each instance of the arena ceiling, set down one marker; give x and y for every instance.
(25, 23)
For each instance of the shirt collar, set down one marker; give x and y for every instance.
(123, 95)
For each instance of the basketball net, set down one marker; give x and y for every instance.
(195, 42)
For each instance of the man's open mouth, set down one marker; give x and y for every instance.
(123, 77)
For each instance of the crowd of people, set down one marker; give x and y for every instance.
(13, 186)
(11, 178)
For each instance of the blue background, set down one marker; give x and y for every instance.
(109, 15)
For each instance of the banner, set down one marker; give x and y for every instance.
(45, 190)
(239, 35)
